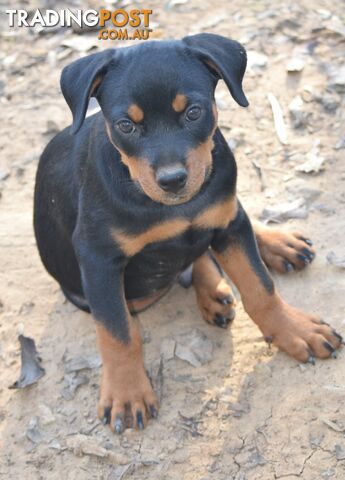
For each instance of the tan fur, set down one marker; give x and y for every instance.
(199, 167)
(179, 103)
(132, 244)
(218, 215)
(95, 84)
(124, 381)
(236, 264)
(135, 113)
(132, 163)
(199, 160)
(210, 287)
(277, 247)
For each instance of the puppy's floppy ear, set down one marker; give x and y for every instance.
(225, 57)
(79, 82)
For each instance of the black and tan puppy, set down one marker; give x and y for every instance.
(129, 198)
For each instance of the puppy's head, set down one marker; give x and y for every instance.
(158, 103)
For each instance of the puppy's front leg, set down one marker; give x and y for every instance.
(301, 335)
(126, 396)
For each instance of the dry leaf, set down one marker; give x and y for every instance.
(278, 119)
(285, 211)
(31, 370)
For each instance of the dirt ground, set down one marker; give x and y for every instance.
(249, 412)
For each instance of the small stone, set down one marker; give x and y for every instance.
(237, 138)
(250, 458)
(314, 162)
(295, 65)
(256, 60)
(299, 117)
(340, 144)
(336, 261)
(232, 144)
(337, 78)
(55, 444)
(33, 432)
(3, 175)
(46, 415)
(255, 460)
(81, 44)
(329, 473)
(315, 439)
(168, 349)
(339, 451)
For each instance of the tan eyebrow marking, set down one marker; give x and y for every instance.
(179, 103)
(135, 113)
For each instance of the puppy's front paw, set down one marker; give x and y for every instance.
(126, 396)
(302, 336)
(126, 399)
(284, 251)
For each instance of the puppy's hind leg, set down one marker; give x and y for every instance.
(77, 300)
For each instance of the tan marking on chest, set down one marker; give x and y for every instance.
(132, 244)
(218, 215)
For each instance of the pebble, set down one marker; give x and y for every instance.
(295, 65)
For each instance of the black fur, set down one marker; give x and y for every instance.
(83, 189)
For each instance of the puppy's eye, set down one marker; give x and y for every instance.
(193, 113)
(126, 126)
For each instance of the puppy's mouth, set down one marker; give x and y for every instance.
(176, 198)
(192, 188)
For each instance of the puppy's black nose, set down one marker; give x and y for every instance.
(172, 180)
